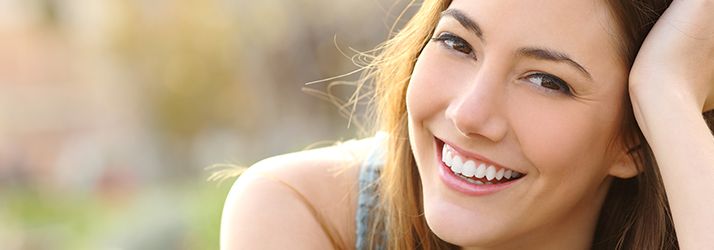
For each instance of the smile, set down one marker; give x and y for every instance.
(470, 173)
(475, 171)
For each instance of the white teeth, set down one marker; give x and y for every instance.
(457, 165)
(448, 159)
(473, 181)
(490, 173)
(469, 169)
(481, 171)
(453, 169)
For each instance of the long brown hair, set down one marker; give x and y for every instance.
(635, 214)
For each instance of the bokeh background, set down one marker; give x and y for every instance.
(111, 111)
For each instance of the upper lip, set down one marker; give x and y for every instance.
(475, 156)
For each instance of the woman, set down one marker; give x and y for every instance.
(511, 125)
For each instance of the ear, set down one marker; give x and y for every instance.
(624, 166)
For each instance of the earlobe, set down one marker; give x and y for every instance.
(625, 166)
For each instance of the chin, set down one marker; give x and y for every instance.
(464, 226)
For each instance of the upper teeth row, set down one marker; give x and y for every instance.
(468, 168)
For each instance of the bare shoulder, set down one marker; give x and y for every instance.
(302, 200)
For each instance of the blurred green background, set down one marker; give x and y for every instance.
(110, 111)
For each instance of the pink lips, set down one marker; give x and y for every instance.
(459, 184)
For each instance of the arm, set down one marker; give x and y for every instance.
(670, 85)
(684, 150)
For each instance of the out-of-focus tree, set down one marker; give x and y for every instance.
(185, 56)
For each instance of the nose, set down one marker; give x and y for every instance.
(479, 111)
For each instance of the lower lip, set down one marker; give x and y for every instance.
(460, 185)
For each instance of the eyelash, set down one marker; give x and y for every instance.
(452, 41)
(562, 86)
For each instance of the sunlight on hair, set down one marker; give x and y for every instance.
(224, 171)
(361, 95)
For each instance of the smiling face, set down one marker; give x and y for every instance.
(530, 89)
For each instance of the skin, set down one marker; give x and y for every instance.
(486, 105)
(264, 211)
(671, 83)
(488, 102)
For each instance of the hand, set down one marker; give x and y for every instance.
(676, 60)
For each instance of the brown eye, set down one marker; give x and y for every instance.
(454, 42)
(549, 82)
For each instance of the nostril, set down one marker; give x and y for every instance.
(478, 113)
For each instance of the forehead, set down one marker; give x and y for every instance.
(584, 29)
(570, 15)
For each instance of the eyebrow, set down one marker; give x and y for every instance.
(551, 55)
(537, 53)
(464, 20)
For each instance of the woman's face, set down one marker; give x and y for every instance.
(530, 89)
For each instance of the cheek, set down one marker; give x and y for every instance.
(563, 136)
(421, 83)
(433, 82)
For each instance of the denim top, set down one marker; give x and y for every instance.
(367, 199)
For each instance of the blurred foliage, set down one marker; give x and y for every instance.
(188, 51)
(113, 109)
(82, 222)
